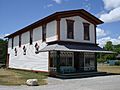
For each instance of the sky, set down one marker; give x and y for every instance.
(16, 14)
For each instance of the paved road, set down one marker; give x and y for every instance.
(93, 83)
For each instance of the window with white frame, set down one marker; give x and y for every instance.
(89, 61)
(66, 59)
(53, 62)
(70, 29)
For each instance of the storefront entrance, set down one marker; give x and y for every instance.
(71, 62)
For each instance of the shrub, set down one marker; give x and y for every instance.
(100, 60)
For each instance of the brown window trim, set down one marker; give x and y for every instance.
(58, 29)
(44, 27)
(31, 37)
(12, 42)
(20, 40)
(68, 31)
(86, 27)
(95, 34)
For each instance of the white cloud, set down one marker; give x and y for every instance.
(103, 41)
(113, 11)
(111, 4)
(3, 35)
(88, 7)
(49, 5)
(100, 32)
(58, 1)
(112, 16)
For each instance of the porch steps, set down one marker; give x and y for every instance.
(81, 75)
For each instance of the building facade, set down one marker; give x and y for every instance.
(64, 42)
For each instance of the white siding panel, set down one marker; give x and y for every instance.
(16, 41)
(78, 30)
(25, 38)
(10, 43)
(51, 31)
(30, 61)
(37, 33)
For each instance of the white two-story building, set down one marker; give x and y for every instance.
(64, 42)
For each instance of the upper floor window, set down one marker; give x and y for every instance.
(20, 40)
(70, 29)
(86, 31)
(31, 36)
(44, 33)
(12, 42)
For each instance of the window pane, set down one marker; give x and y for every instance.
(31, 36)
(20, 40)
(86, 31)
(66, 59)
(89, 61)
(44, 33)
(70, 29)
(12, 42)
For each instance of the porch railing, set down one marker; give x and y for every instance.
(53, 69)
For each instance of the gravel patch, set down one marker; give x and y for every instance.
(92, 83)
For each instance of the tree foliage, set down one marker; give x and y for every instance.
(109, 47)
(3, 51)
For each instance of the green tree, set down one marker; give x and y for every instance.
(3, 51)
(108, 46)
(117, 48)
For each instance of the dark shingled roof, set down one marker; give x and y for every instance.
(74, 48)
(118, 56)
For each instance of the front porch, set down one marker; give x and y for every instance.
(64, 63)
(68, 58)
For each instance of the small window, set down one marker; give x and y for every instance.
(70, 29)
(44, 33)
(15, 52)
(20, 40)
(36, 48)
(24, 50)
(12, 43)
(31, 36)
(86, 31)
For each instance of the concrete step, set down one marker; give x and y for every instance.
(81, 75)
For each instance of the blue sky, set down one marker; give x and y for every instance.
(16, 14)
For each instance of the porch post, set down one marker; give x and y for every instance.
(58, 61)
(96, 62)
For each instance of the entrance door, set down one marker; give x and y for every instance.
(79, 61)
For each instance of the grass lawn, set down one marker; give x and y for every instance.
(109, 69)
(18, 77)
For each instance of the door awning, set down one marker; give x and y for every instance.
(75, 48)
